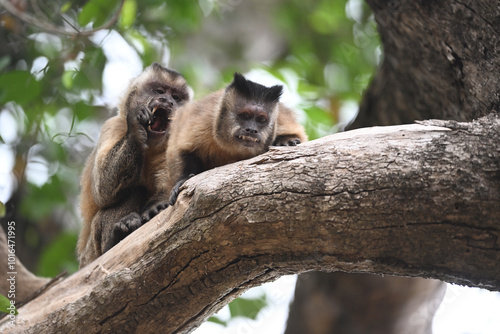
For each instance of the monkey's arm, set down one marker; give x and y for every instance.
(119, 157)
(289, 132)
(190, 165)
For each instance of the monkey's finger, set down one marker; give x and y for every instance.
(122, 227)
(134, 224)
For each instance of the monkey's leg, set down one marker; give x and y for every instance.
(121, 219)
(92, 248)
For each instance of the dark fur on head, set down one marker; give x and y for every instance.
(142, 88)
(158, 67)
(254, 91)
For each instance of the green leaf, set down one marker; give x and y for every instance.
(2, 210)
(247, 307)
(217, 320)
(67, 79)
(65, 7)
(319, 115)
(18, 86)
(97, 11)
(90, 74)
(39, 202)
(5, 304)
(82, 110)
(128, 14)
(328, 17)
(142, 45)
(59, 256)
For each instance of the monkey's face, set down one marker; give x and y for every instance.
(251, 123)
(247, 128)
(247, 120)
(161, 91)
(163, 100)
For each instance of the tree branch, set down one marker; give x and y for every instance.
(50, 27)
(414, 200)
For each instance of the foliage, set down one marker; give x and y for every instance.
(52, 97)
(5, 304)
(243, 307)
(56, 258)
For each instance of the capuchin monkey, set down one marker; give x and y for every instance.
(120, 174)
(236, 123)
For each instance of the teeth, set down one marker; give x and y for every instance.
(248, 138)
(152, 112)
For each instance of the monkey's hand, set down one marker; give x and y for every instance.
(286, 140)
(177, 189)
(122, 228)
(137, 123)
(153, 209)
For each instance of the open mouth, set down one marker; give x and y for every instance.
(248, 141)
(160, 121)
(246, 138)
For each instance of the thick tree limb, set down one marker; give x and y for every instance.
(441, 60)
(413, 200)
(26, 283)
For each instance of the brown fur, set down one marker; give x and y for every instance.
(120, 173)
(194, 131)
(288, 127)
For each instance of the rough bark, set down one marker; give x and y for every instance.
(411, 200)
(441, 60)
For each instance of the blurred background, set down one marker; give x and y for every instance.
(57, 89)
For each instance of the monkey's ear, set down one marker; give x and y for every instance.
(255, 91)
(273, 94)
(190, 92)
(157, 67)
(242, 85)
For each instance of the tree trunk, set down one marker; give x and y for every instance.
(441, 60)
(412, 200)
(363, 303)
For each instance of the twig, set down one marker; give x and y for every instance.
(49, 27)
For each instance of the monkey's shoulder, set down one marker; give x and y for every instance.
(288, 124)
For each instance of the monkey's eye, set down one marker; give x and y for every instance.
(261, 119)
(244, 116)
(159, 91)
(176, 98)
